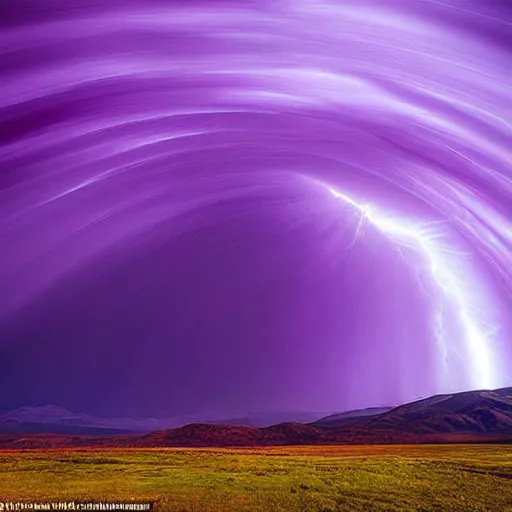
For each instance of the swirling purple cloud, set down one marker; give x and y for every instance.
(239, 206)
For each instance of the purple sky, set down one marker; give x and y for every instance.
(225, 207)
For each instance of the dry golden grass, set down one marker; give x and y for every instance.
(304, 478)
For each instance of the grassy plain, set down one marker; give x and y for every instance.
(423, 478)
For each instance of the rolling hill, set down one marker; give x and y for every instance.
(470, 412)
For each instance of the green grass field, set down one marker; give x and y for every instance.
(311, 479)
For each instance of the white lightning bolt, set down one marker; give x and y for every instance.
(423, 237)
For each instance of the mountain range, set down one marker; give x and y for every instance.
(51, 419)
(473, 416)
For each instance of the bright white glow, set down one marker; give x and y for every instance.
(446, 275)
